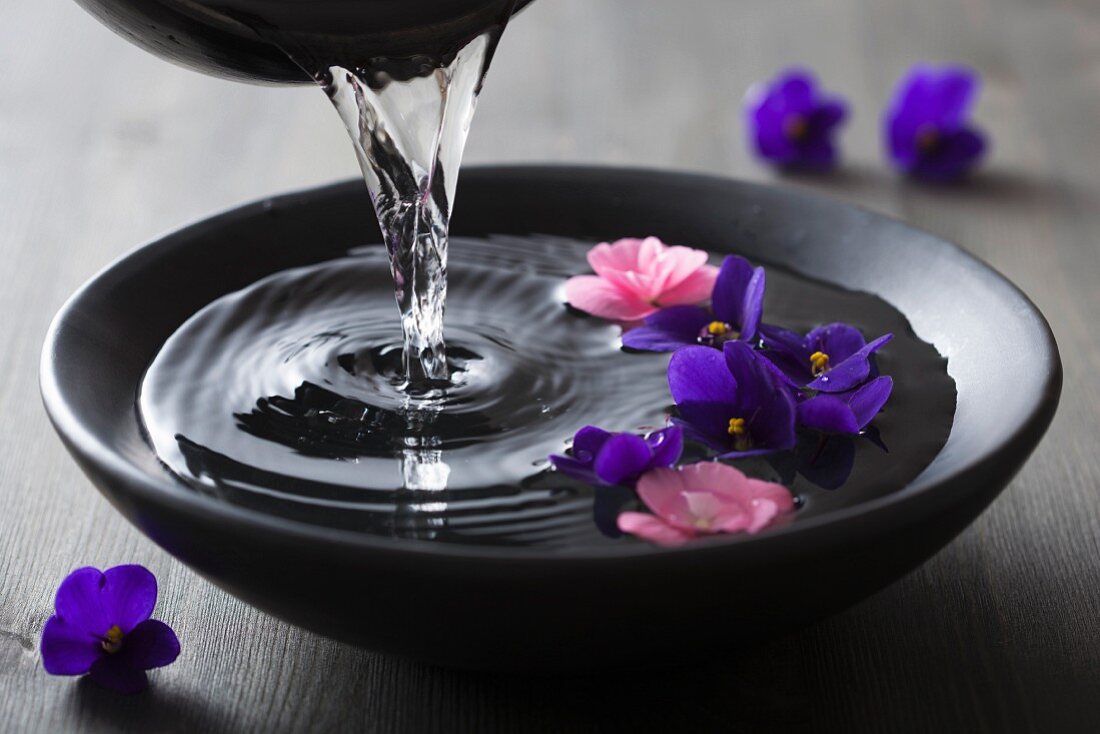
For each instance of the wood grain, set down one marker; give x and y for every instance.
(102, 147)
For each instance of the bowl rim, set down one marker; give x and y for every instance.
(919, 498)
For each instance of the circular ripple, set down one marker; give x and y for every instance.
(289, 389)
(284, 397)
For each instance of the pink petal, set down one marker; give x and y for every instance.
(621, 255)
(677, 264)
(712, 476)
(695, 288)
(724, 514)
(597, 296)
(763, 512)
(777, 494)
(653, 529)
(640, 284)
(662, 492)
(720, 494)
(650, 255)
(703, 505)
(631, 264)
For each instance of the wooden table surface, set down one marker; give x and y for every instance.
(103, 147)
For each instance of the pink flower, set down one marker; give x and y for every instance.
(702, 499)
(636, 277)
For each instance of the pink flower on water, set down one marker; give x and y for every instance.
(702, 499)
(636, 277)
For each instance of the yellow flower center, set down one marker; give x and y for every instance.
(717, 328)
(795, 127)
(739, 429)
(112, 641)
(928, 138)
(819, 363)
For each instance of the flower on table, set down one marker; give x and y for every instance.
(926, 127)
(101, 627)
(602, 457)
(704, 499)
(731, 400)
(845, 412)
(737, 302)
(791, 122)
(832, 358)
(636, 277)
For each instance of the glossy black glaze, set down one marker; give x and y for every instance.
(560, 609)
(237, 38)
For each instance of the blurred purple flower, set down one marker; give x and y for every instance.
(847, 412)
(601, 457)
(926, 126)
(791, 122)
(736, 304)
(731, 400)
(102, 628)
(832, 358)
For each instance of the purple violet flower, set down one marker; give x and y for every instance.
(846, 412)
(601, 457)
(736, 305)
(791, 123)
(731, 400)
(102, 627)
(832, 358)
(926, 126)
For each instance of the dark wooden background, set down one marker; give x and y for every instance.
(102, 147)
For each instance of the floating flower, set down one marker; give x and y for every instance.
(703, 499)
(831, 358)
(635, 277)
(846, 412)
(731, 400)
(791, 123)
(102, 628)
(926, 126)
(601, 457)
(736, 304)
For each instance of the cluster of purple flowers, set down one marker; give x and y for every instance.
(742, 388)
(926, 129)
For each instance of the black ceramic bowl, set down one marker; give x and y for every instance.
(516, 608)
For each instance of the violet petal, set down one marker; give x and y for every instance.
(753, 382)
(112, 672)
(587, 442)
(668, 329)
(131, 595)
(773, 425)
(729, 290)
(868, 400)
(838, 340)
(68, 650)
(699, 374)
(830, 113)
(828, 414)
(79, 601)
(667, 446)
(152, 644)
(96, 601)
(752, 307)
(850, 372)
(827, 461)
(623, 457)
(958, 153)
